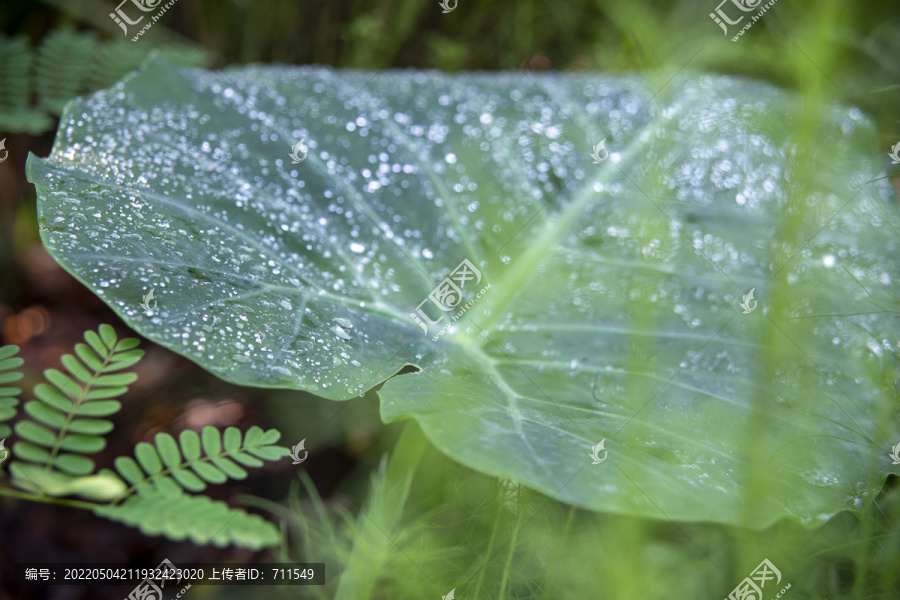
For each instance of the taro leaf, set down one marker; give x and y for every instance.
(613, 307)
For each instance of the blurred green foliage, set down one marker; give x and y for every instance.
(852, 47)
(445, 518)
(36, 83)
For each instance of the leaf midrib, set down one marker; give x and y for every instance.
(76, 404)
(547, 241)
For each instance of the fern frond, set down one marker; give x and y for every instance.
(16, 87)
(168, 462)
(67, 64)
(14, 69)
(60, 71)
(8, 395)
(115, 60)
(180, 516)
(64, 422)
(184, 55)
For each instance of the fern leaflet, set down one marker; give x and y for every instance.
(184, 464)
(180, 516)
(8, 395)
(67, 422)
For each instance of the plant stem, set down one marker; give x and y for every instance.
(75, 404)
(551, 577)
(487, 554)
(47, 499)
(522, 502)
(380, 516)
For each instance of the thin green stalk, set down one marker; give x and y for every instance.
(866, 549)
(560, 543)
(888, 576)
(512, 546)
(47, 499)
(386, 507)
(490, 549)
(84, 391)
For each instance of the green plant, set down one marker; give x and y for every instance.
(446, 536)
(609, 304)
(8, 395)
(67, 423)
(424, 525)
(36, 83)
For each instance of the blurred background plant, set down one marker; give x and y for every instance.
(385, 528)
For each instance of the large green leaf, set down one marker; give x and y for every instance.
(613, 311)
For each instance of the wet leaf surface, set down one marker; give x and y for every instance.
(610, 292)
